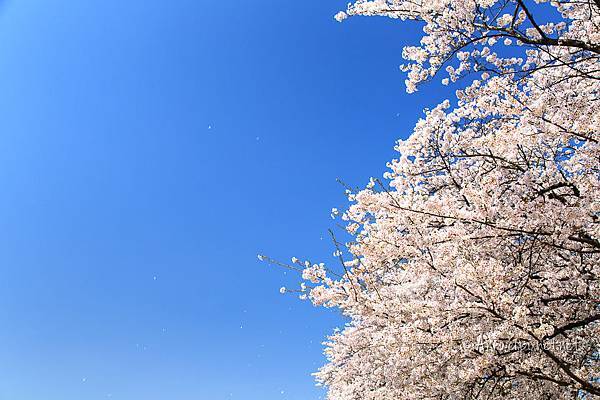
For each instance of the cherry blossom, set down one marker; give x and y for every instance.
(473, 269)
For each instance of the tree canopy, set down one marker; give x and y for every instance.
(473, 271)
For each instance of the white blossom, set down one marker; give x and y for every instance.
(475, 269)
(341, 16)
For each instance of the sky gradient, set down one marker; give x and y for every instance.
(149, 150)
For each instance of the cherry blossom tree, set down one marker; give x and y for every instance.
(473, 271)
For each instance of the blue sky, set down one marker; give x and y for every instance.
(148, 151)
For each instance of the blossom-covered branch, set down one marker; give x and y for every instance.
(474, 270)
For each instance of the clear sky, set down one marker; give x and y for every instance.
(148, 151)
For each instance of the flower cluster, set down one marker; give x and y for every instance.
(489, 222)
